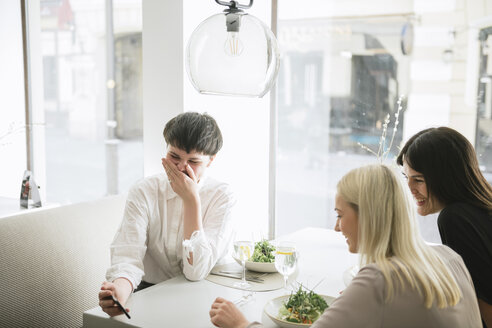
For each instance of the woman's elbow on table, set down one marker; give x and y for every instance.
(199, 268)
(194, 276)
(195, 272)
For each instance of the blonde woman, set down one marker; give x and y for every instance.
(403, 282)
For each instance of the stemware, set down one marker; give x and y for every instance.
(243, 251)
(286, 259)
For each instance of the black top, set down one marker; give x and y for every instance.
(468, 231)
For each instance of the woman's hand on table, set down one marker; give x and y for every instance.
(121, 288)
(226, 315)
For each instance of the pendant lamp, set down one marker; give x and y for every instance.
(232, 53)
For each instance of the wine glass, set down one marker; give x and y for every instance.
(243, 251)
(286, 259)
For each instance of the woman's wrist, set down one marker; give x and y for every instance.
(124, 289)
(192, 199)
(192, 217)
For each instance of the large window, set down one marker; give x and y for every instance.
(344, 65)
(92, 68)
(484, 106)
(339, 80)
(83, 135)
(343, 68)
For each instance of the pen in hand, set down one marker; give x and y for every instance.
(120, 306)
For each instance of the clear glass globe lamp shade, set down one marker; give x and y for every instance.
(239, 63)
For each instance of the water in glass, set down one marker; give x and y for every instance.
(286, 260)
(243, 251)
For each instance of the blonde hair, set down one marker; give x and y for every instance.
(389, 236)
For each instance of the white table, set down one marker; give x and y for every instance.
(180, 303)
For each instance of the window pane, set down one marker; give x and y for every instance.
(12, 112)
(484, 127)
(338, 82)
(345, 65)
(93, 139)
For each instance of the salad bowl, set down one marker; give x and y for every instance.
(273, 306)
(259, 266)
(262, 259)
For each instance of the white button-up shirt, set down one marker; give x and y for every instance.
(149, 244)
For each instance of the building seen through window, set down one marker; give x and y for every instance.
(92, 97)
(338, 82)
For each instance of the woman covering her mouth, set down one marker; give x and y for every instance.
(443, 175)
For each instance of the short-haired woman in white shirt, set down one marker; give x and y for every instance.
(174, 223)
(403, 282)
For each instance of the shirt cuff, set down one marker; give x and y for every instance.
(196, 240)
(127, 277)
(202, 256)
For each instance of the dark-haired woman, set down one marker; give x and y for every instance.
(443, 175)
(175, 223)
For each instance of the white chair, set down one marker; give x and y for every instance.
(53, 261)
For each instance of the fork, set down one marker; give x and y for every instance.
(244, 299)
(234, 276)
(247, 275)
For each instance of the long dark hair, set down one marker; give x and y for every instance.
(449, 165)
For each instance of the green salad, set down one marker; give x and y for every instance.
(302, 307)
(264, 252)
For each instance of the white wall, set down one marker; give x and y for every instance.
(244, 122)
(162, 37)
(13, 147)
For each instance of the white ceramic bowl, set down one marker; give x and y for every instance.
(272, 307)
(259, 266)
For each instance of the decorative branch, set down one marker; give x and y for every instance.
(395, 128)
(14, 129)
(367, 148)
(383, 151)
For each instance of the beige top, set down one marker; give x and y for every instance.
(362, 303)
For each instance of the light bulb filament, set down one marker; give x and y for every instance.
(233, 46)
